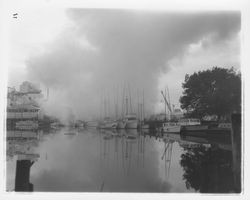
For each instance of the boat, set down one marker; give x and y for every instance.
(170, 127)
(108, 124)
(142, 124)
(131, 134)
(92, 124)
(200, 129)
(227, 126)
(131, 121)
(187, 124)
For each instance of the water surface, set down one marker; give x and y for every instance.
(74, 160)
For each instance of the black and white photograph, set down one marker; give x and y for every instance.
(123, 100)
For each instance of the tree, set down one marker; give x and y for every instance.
(212, 92)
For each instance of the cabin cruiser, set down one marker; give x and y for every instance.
(187, 123)
(131, 121)
(108, 124)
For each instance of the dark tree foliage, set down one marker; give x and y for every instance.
(212, 92)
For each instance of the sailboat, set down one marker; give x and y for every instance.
(142, 115)
(175, 127)
(107, 122)
(130, 118)
(120, 122)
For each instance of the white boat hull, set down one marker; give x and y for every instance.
(131, 125)
(109, 125)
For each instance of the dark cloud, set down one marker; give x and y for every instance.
(110, 47)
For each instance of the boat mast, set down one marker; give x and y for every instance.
(143, 106)
(126, 105)
(166, 102)
(130, 102)
(138, 104)
(170, 103)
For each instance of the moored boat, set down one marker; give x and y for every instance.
(187, 124)
(131, 121)
(108, 124)
(92, 124)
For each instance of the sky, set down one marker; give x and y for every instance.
(84, 55)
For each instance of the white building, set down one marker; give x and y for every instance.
(24, 104)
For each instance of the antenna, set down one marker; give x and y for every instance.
(130, 103)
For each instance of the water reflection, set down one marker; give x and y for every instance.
(22, 181)
(118, 161)
(207, 169)
(21, 148)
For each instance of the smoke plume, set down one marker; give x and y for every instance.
(106, 49)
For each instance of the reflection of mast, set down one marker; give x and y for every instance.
(123, 97)
(22, 181)
(123, 154)
(130, 101)
(106, 161)
(143, 108)
(143, 151)
(167, 155)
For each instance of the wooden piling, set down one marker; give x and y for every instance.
(236, 150)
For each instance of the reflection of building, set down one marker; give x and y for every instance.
(22, 145)
(23, 112)
(22, 181)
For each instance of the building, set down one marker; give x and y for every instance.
(23, 106)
